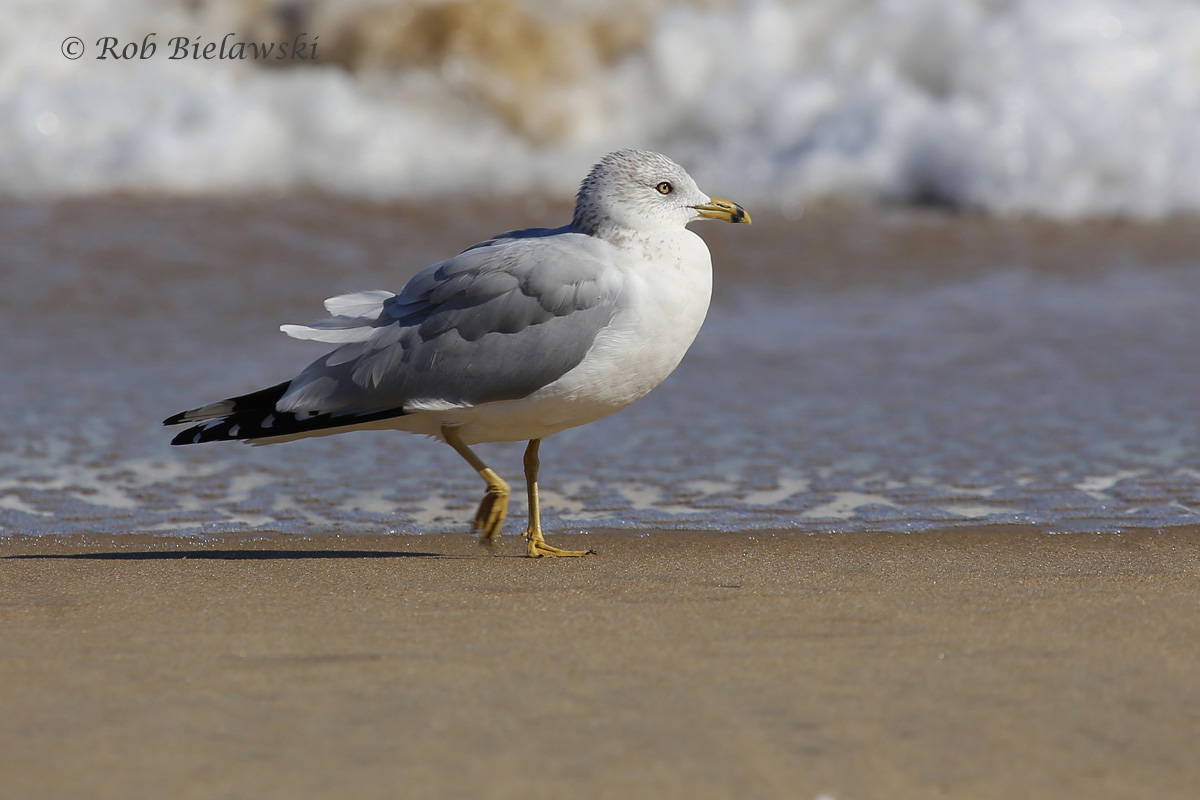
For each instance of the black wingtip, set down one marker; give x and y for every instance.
(231, 429)
(253, 416)
(260, 402)
(175, 419)
(185, 437)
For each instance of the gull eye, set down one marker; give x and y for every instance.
(664, 188)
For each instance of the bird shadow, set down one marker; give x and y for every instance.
(228, 555)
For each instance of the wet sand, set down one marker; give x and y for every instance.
(982, 663)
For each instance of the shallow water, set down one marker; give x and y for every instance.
(860, 370)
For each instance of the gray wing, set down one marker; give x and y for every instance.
(497, 322)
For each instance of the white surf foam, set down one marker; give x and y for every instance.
(1069, 109)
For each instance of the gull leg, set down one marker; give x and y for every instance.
(537, 547)
(493, 508)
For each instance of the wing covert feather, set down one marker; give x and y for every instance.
(497, 322)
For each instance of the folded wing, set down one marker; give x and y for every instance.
(497, 322)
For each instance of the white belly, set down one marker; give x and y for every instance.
(659, 317)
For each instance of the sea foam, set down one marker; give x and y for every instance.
(1068, 109)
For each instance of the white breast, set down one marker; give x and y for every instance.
(661, 311)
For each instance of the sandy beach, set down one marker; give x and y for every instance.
(912, 375)
(981, 663)
(916, 516)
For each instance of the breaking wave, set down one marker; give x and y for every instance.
(1069, 109)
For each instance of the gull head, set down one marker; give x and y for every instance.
(637, 190)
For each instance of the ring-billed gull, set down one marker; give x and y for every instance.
(517, 338)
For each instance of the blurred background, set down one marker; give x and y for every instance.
(1070, 109)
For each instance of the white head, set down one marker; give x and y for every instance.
(636, 190)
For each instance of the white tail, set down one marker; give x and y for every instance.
(353, 315)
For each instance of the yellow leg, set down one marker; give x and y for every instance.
(537, 547)
(493, 508)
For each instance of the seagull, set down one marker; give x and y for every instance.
(514, 339)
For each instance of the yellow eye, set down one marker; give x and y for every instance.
(664, 188)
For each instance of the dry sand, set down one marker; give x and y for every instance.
(973, 663)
